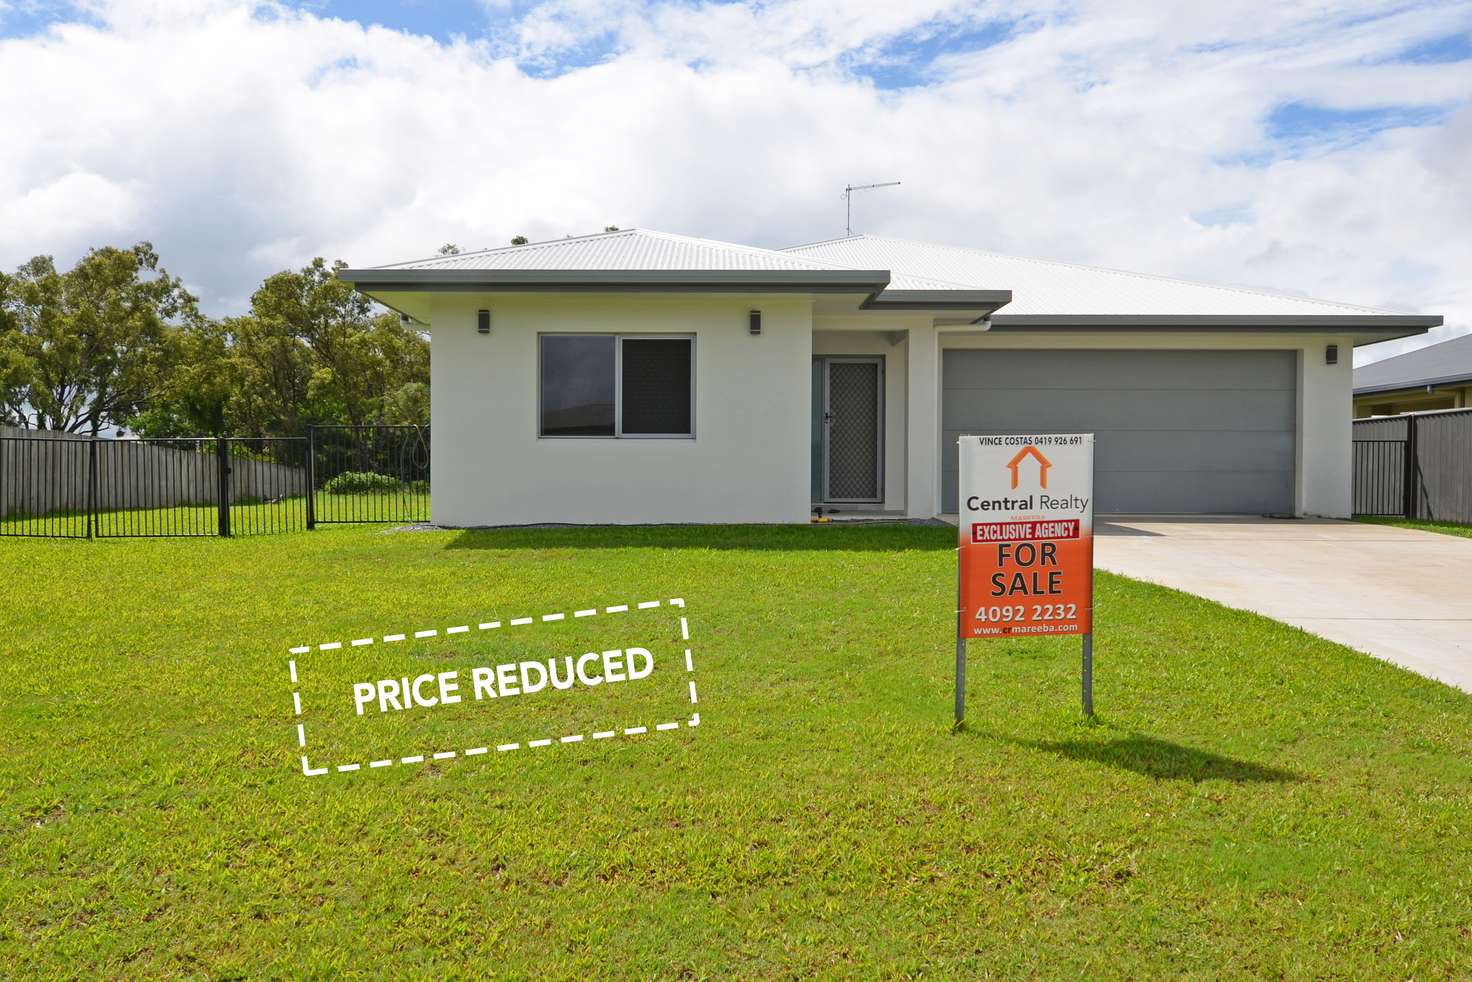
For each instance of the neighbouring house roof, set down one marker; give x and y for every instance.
(1047, 293)
(1445, 363)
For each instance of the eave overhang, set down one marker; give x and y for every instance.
(616, 280)
(1370, 328)
(977, 305)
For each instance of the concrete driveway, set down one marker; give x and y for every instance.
(1401, 595)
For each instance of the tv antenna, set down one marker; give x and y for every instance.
(848, 201)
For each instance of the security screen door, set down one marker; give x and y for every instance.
(848, 400)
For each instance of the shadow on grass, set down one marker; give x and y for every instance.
(1165, 761)
(857, 537)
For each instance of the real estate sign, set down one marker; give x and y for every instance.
(1026, 562)
(1027, 535)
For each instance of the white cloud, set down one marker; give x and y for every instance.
(241, 138)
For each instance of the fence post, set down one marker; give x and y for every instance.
(311, 477)
(222, 453)
(91, 488)
(1411, 478)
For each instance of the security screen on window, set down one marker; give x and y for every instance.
(608, 385)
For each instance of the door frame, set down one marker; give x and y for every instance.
(822, 362)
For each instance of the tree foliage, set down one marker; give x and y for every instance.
(117, 341)
(89, 346)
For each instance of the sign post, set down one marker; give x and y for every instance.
(1026, 558)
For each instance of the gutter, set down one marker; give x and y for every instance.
(1366, 322)
(1376, 326)
(871, 282)
(985, 301)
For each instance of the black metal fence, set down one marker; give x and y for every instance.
(371, 473)
(62, 486)
(1418, 466)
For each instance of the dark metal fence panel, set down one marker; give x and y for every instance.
(1379, 471)
(1443, 447)
(370, 474)
(68, 485)
(1380, 428)
(150, 488)
(268, 481)
(1423, 458)
(45, 487)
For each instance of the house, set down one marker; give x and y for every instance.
(1438, 376)
(637, 376)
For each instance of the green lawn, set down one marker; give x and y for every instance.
(1445, 528)
(1251, 800)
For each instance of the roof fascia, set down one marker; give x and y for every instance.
(616, 280)
(939, 300)
(1337, 322)
(979, 304)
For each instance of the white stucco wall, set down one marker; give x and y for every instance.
(748, 462)
(750, 459)
(1324, 460)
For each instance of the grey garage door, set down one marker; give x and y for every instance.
(1177, 432)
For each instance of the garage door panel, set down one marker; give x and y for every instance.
(1171, 452)
(1176, 431)
(1177, 492)
(1125, 369)
(1179, 408)
(1184, 450)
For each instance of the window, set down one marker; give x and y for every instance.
(612, 386)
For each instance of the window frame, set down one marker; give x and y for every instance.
(618, 385)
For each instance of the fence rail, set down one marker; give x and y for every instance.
(67, 486)
(1416, 466)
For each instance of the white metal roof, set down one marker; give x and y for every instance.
(894, 274)
(1045, 288)
(633, 248)
(645, 249)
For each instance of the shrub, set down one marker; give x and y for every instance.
(360, 482)
(418, 487)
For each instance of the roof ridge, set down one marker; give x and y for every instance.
(837, 238)
(543, 243)
(616, 233)
(743, 247)
(1249, 291)
(862, 235)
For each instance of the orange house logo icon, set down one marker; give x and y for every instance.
(1015, 465)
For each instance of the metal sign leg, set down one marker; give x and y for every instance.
(960, 681)
(1088, 674)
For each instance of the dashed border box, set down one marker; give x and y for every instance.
(531, 744)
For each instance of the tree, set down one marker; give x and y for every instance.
(15, 371)
(449, 249)
(88, 347)
(193, 398)
(311, 350)
(610, 228)
(519, 240)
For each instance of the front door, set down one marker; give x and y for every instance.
(848, 430)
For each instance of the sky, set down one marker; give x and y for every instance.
(1320, 149)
